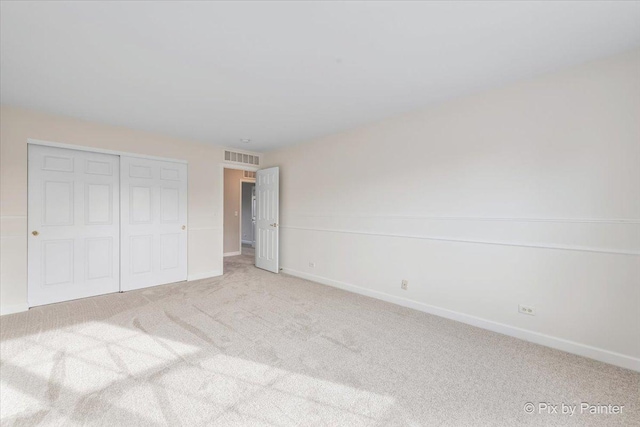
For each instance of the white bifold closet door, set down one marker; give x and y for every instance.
(73, 217)
(153, 221)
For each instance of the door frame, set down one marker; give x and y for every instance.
(101, 150)
(224, 166)
(120, 154)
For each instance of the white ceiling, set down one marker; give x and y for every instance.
(285, 72)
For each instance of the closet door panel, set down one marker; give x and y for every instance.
(73, 240)
(154, 219)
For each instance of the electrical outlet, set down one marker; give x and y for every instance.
(524, 309)
(312, 264)
(404, 285)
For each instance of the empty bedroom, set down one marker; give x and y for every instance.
(319, 213)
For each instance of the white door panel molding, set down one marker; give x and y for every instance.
(267, 219)
(74, 234)
(154, 220)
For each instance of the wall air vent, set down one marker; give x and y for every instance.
(243, 158)
(249, 174)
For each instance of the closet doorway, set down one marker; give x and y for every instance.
(101, 221)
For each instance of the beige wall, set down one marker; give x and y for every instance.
(16, 125)
(232, 208)
(529, 194)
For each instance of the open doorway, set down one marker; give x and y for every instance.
(248, 218)
(261, 232)
(239, 212)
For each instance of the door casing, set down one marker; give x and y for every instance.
(234, 166)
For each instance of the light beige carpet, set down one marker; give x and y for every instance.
(248, 250)
(254, 348)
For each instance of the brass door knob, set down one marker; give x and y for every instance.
(35, 233)
(184, 227)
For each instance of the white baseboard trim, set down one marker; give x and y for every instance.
(15, 308)
(232, 253)
(573, 347)
(205, 275)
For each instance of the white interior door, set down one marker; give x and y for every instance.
(154, 221)
(73, 240)
(267, 219)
